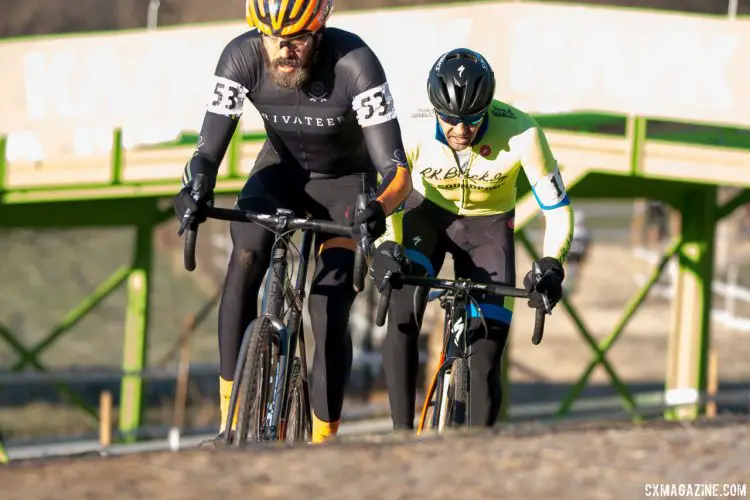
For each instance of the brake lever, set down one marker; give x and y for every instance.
(185, 222)
(196, 193)
(364, 240)
(537, 272)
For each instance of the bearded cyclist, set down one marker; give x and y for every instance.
(331, 129)
(465, 157)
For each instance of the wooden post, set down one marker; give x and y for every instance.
(183, 372)
(105, 419)
(713, 383)
(4, 459)
(637, 225)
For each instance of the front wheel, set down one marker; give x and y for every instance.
(459, 394)
(256, 383)
(299, 424)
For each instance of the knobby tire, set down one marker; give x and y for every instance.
(299, 423)
(256, 383)
(459, 394)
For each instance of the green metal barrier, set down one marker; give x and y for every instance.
(599, 357)
(4, 458)
(122, 203)
(694, 251)
(136, 334)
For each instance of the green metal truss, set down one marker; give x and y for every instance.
(143, 205)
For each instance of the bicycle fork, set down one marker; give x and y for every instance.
(455, 346)
(272, 311)
(288, 346)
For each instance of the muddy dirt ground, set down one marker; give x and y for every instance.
(601, 461)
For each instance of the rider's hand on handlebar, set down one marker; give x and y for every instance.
(373, 216)
(194, 200)
(548, 282)
(388, 258)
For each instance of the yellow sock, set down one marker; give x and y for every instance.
(225, 392)
(322, 431)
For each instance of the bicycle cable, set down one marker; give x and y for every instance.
(277, 238)
(483, 323)
(417, 323)
(290, 287)
(280, 238)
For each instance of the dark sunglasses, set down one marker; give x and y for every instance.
(470, 120)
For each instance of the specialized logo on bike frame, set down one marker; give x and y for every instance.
(457, 330)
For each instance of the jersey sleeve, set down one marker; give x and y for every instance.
(373, 104)
(548, 188)
(225, 100)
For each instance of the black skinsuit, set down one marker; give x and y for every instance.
(326, 143)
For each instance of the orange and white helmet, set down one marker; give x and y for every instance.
(287, 17)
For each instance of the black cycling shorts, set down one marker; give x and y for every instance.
(274, 183)
(482, 247)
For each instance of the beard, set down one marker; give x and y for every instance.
(292, 80)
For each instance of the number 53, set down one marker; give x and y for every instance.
(379, 99)
(231, 98)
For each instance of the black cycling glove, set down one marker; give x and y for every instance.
(549, 282)
(184, 201)
(373, 216)
(389, 258)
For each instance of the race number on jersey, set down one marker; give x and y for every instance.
(550, 191)
(228, 97)
(374, 106)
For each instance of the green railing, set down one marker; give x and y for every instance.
(128, 204)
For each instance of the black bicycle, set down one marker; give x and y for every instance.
(447, 402)
(272, 397)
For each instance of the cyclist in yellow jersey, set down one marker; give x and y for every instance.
(465, 156)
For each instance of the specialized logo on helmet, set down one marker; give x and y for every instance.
(440, 62)
(483, 62)
(461, 70)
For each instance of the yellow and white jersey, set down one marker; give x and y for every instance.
(482, 180)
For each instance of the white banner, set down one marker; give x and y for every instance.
(64, 96)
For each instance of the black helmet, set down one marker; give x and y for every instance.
(461, 83)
